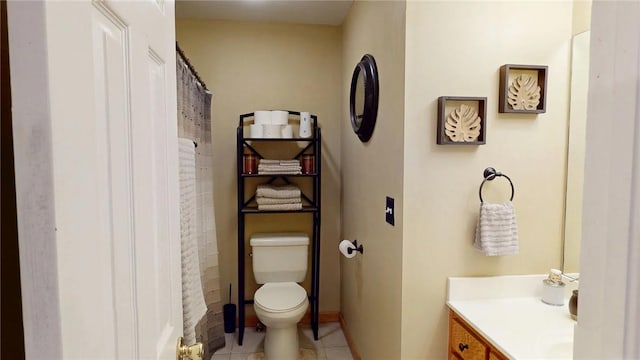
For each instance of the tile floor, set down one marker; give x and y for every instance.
(331, 345)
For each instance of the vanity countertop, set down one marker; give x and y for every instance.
(508, 312)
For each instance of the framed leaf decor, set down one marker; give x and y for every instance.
(461, 120)
(523, 89)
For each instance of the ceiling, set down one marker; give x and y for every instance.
(324, 12)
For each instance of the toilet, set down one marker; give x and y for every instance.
(279, 264)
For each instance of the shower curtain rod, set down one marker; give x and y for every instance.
(193, 70)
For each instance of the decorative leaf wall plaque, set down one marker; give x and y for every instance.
(461, 120)
(523, 89)
(463, 124)
(524, 93)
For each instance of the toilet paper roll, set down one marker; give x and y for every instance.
(262, 117)
(287, 132)
(271, 131)
(344, 246)
(256, 130)
(279, 117)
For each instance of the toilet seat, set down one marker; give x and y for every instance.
(280, 297)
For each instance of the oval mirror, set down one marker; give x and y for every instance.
(363, 98)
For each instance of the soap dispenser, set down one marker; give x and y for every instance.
(553, 288)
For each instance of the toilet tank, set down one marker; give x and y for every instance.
(279, 257)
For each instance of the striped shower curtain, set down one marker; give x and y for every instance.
(194, 122)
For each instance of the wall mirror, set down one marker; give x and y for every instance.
(575, 152)
(363, 98)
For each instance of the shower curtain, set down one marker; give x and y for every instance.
(194, 122)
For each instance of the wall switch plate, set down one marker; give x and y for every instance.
(389, 211)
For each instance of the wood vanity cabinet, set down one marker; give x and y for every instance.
(467, 344)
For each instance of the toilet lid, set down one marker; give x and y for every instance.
(280, 297)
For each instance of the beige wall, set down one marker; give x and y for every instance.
(372, 283)
(581, 16)
(254, 66)
(457, 48)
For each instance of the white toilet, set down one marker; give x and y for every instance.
(279, 263)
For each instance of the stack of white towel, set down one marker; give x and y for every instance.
(272, 197)
(276, 167)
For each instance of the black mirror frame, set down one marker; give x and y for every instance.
(367, 66)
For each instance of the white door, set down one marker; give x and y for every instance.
(94, 99)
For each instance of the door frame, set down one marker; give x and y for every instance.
(32, 143)
(610, 249)
(12, 331)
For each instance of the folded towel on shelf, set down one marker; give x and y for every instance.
(297, 206)
(279, 162)
(280, 192)
(496, 231)
(279, 172)
(279, 169)
(271, 201)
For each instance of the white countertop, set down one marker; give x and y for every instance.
(508, 312)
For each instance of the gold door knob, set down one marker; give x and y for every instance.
(192, 352)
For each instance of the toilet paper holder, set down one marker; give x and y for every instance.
(355, 247)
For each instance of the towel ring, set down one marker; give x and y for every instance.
(490, 174)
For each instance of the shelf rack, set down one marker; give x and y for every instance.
(312, 206)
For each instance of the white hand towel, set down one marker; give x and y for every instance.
(193, 305)
(496, 231)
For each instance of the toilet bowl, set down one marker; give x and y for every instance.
(279, 263)
(280, 306)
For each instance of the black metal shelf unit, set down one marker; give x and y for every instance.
(246, 207)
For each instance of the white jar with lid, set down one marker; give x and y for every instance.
(553, 289)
